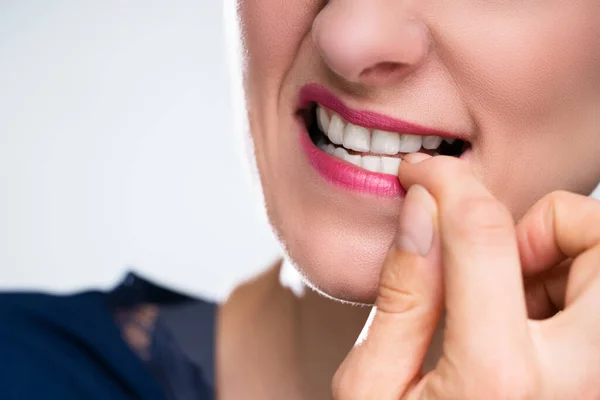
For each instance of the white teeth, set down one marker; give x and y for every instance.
(390, 165)
(377, 142)
(386, 165)
(410, 143)
(340, 152)
(372, 163)
(383, 142)
(357, 138)
(354, 159)
(322, 119)
(431, 142)
(336, 129)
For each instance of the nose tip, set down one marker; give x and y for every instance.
(369, 44)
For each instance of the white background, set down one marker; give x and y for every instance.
(117, 148)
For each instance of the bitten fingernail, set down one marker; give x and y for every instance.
(415, 158)
(415, 232)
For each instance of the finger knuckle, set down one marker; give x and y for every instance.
(482, 219)
(558, 196)
(346, 385)
(339, 388)
(395, 293)
(396, 300)
(560, 202)
(554, 202)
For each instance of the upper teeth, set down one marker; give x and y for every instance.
(361, 139)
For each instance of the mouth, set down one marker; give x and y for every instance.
(370, 146)
(374, 150)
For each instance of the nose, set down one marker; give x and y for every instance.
(370, 42)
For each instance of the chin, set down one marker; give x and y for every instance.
(338, 261)
(329, 179)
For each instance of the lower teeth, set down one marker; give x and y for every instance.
(378, 164)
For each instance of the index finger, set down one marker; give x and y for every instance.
(483, 282)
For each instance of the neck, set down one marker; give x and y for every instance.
(326, 331)
(273, 343)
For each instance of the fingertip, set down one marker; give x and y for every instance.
(407, 161)
(415, 158)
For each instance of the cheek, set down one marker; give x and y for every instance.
(272, 33)
(527, 64)
(532, 81)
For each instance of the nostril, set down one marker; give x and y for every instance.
(381, 71)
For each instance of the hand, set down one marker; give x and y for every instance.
(458, 248)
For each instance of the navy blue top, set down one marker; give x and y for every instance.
(139, 341)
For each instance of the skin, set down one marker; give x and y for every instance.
(492, 347)
(519, 80)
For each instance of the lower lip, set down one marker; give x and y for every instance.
(347, 175)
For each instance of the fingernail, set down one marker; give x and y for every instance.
(415, 232)
(415, 158)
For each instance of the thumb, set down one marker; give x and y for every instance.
(388, 356)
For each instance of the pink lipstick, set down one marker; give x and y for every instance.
(313, 93)
(334, 168)
(349, 176)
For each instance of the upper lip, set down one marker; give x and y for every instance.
(315, 93)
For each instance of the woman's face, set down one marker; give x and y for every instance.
(516, 81)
